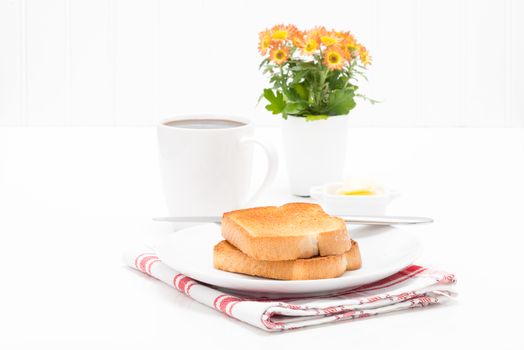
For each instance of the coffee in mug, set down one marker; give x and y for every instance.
(204, 124)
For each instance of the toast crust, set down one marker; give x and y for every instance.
(228, 258)
(292, 231)
(353, 258)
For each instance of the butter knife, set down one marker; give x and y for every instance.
(353, 219)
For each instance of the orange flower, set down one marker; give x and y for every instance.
(293, 30)
(310, 46)
(364, 55)
(264, 41)
(330, 38)
(316, 33)
(297, 38)
(334, 58)
(281, 32)
(279, 54)
(349, 44)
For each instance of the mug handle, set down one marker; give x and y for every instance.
(272, 166)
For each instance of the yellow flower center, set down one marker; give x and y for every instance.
(351, 46)
(329, 40)
(280, 55)
(334, 58)
(311, 46)
(266, 42)
(280, 34)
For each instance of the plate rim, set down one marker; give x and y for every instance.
(254, 281)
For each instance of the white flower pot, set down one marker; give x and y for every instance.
(315, 151)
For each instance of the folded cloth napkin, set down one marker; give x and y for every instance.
(413, 287)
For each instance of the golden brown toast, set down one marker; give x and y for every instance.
(289, 232)
(228, 258)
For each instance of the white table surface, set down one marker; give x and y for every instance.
(71, 200)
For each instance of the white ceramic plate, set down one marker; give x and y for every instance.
(384, 250)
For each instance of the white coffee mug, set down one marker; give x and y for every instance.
(206, 164)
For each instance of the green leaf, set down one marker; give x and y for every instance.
(276, 102)
(295, 108)
(311, 117)
(370, 100)
(361, 74)
(340, 102)
(264, 61)
(268, 70)
(301, 91)
(289, 95)
(297, 77)
(336, 80)
(300, 66)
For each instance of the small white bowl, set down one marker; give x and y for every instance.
(339, 204)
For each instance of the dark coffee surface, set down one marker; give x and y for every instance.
(205, 124)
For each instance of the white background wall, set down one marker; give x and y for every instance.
(132, 62)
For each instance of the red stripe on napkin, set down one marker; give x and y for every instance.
(395, 292)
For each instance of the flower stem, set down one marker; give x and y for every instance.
(323, 75)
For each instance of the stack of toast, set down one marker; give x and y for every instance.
(296, 241)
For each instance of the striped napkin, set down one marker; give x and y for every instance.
(413, 287)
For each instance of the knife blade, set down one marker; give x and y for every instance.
(353, 219)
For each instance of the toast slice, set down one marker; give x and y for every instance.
(292, 231)
(228, 258)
